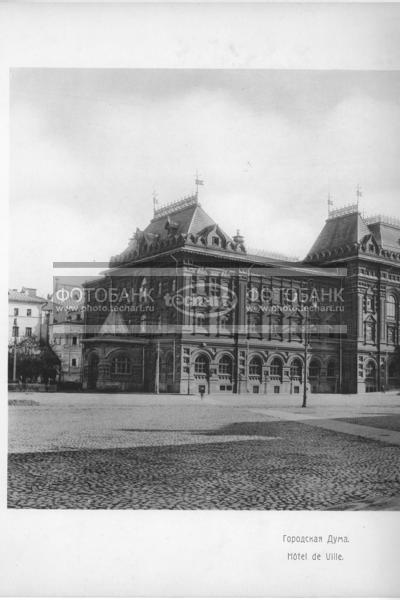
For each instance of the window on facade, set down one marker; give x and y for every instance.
(200, 286)
(276, 368)
(331, 369)
(28, 331)
(28, 312)
(276, 327)
(254, 322)
(201, 365)
(78, 317)
(296, 369)
(74, 340)
(370, 370)
(16, 312)
(391, 307)
(255, 367)
(296, 329)
(369, 304)
(120, 365)
(315, 368)
(391, 336)
(15, 331)
(73, 362)
(200, 320)
(213, 286)
(370, 332)
(224, 321)
(215, 241)
(225, 365)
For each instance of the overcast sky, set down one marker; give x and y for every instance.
(89, 146)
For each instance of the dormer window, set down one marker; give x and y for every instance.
(215, 241)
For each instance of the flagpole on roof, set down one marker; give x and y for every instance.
(155, 201)
(198, 182)
(358, 194)
(330, 203)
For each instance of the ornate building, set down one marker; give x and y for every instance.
(187, 308)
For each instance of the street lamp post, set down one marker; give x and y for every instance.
(306, 340)
(304, 405)
(15, 352)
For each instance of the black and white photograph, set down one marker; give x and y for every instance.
(204, 293)
(195, 371)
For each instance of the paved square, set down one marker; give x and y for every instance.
(225, 452)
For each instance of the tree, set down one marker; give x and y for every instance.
(33, 360)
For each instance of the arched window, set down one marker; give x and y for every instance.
(370, 370)
(276, 368)
(225, 366)
(120, 365)
(331, 369)
(201, 365)
(255, 367)
(391, 307)
(315, 368)
(296, 369)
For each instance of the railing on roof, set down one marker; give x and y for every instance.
(344, 210)
(274, 255)
(171, 207)
(382, 219)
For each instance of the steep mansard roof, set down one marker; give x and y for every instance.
(177, 224)
(346, 230)
(189, 220)
(340, 230)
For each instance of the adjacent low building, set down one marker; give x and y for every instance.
(26, 317)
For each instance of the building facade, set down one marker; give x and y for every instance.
(66, 331)
(26, 318)
(186, 308)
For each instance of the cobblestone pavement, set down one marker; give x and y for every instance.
(174, 452)
(303, 468)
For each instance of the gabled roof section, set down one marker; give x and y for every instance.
(114, 324)
(344, 227)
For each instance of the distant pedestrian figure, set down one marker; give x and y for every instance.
(202, 390)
